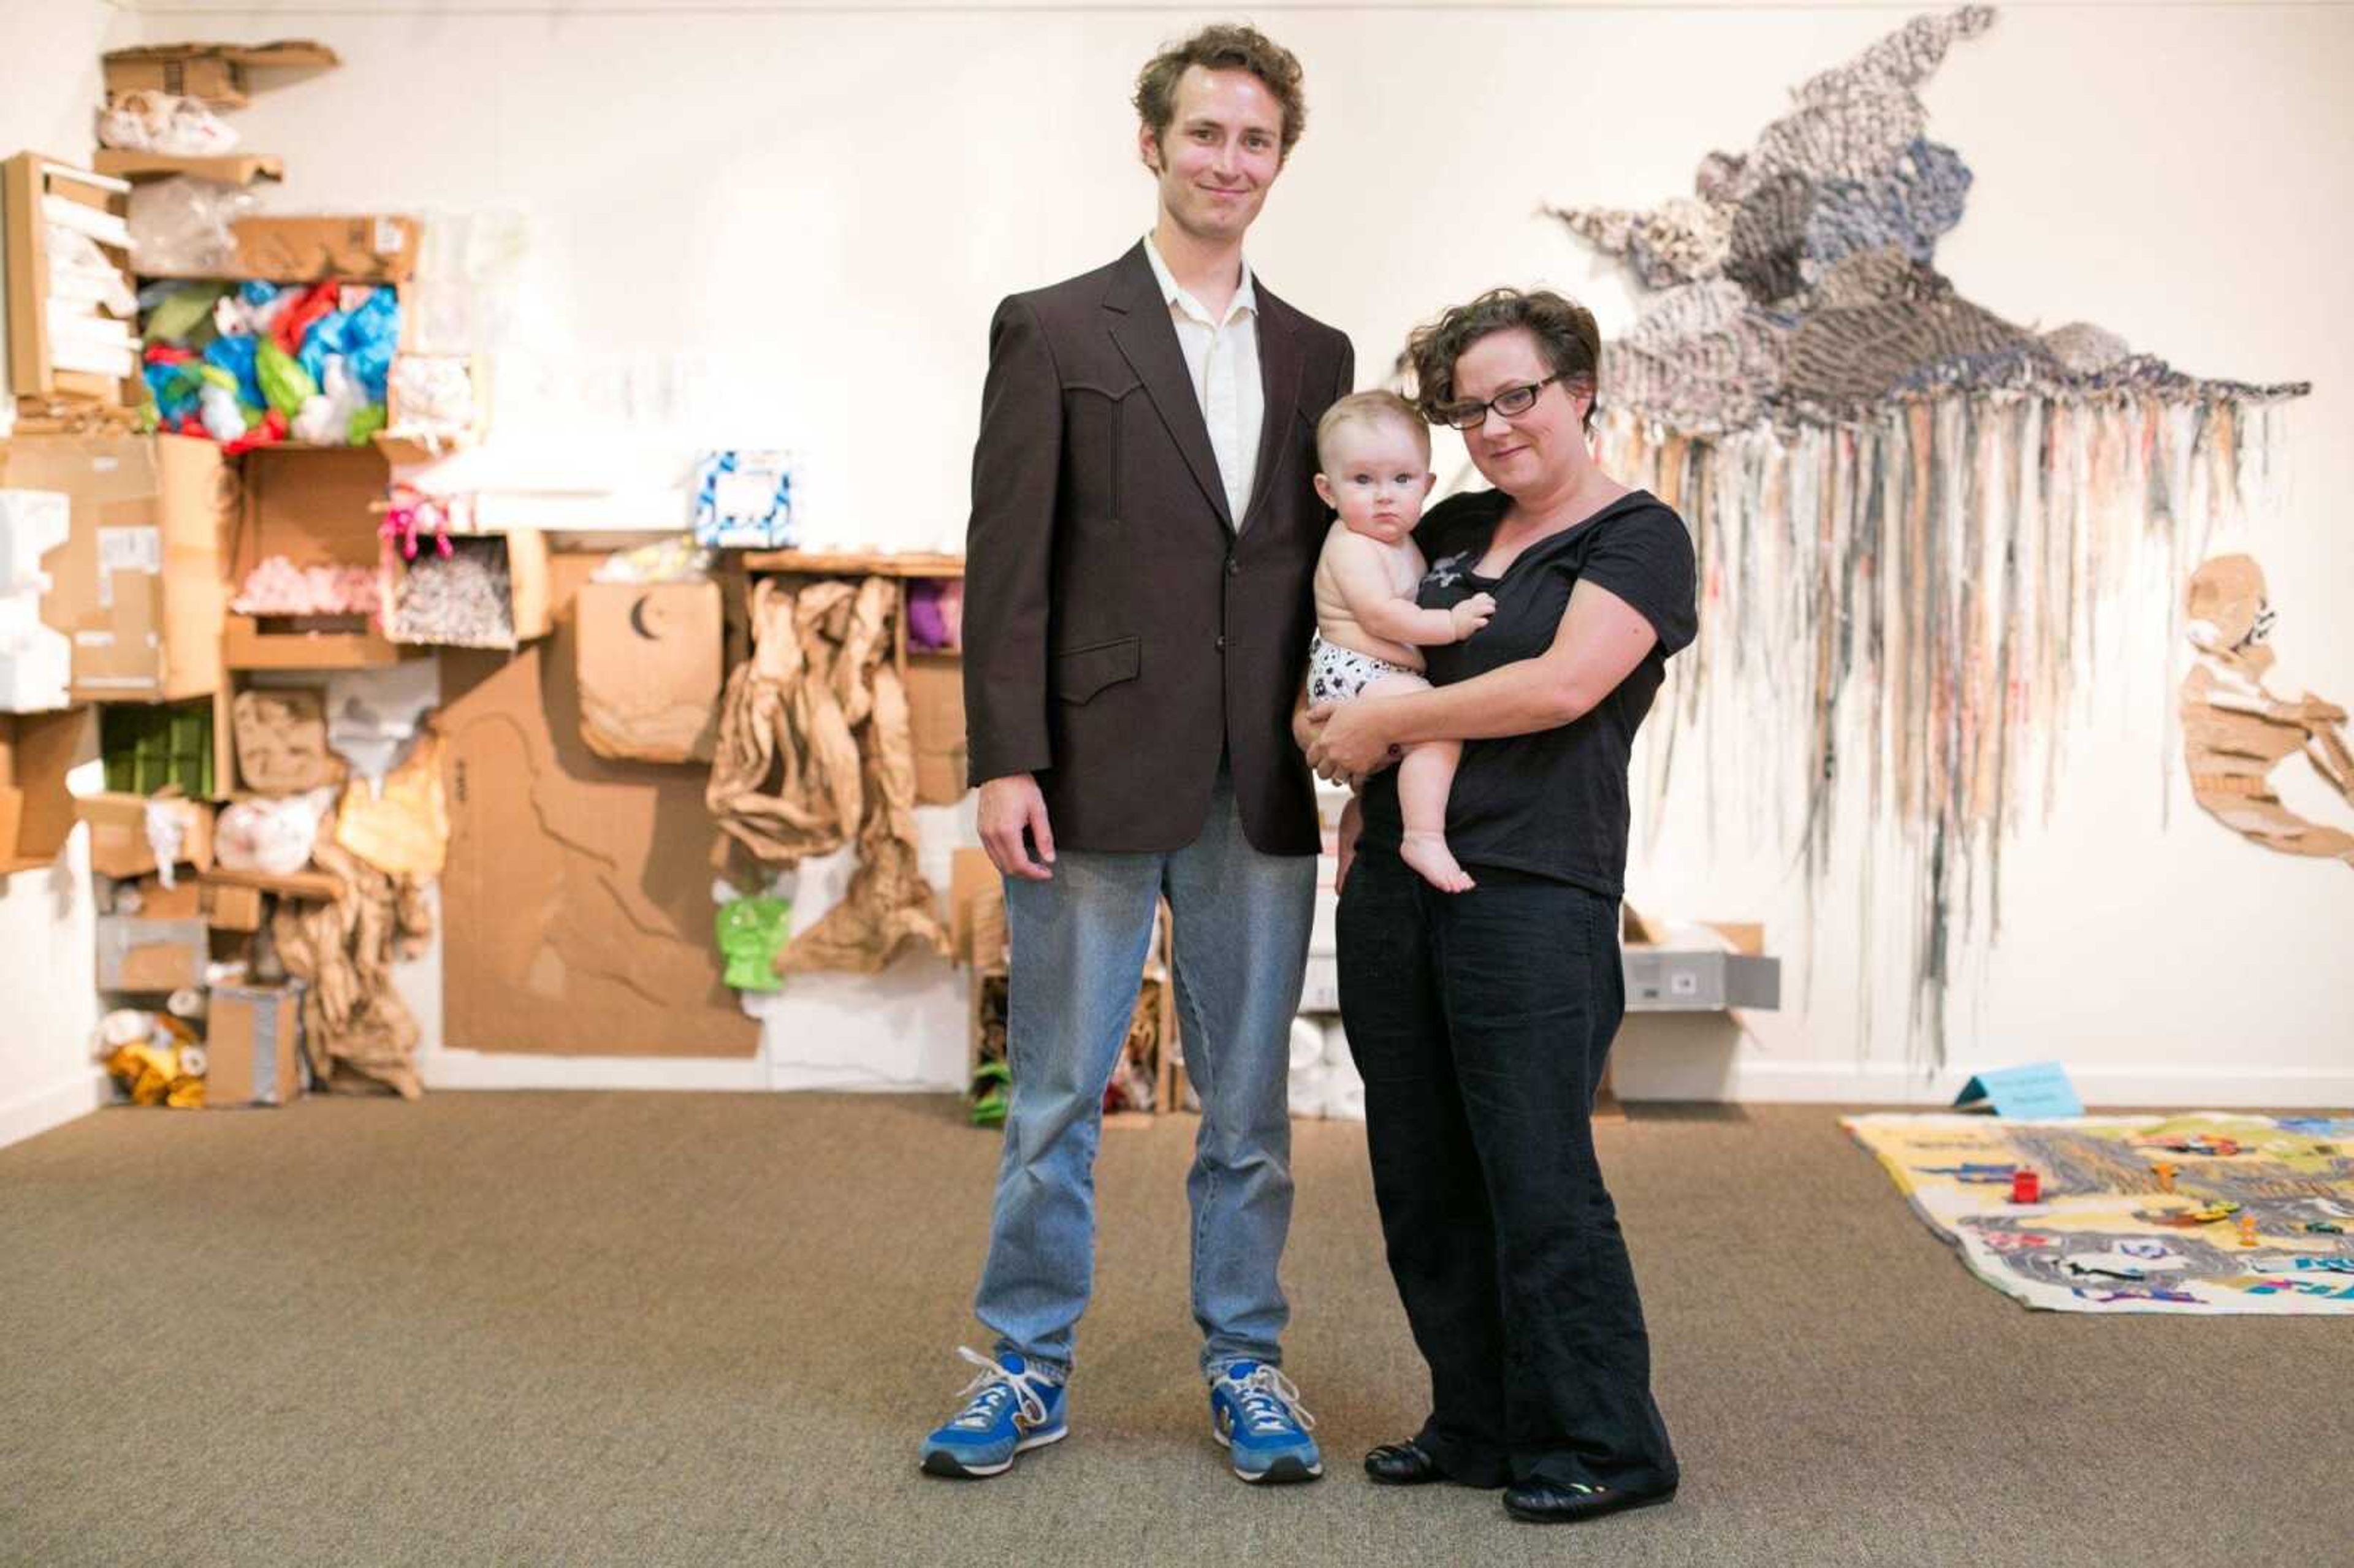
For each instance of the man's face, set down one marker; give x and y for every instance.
(1222, 151)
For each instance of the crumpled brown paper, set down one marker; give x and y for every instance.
(820, 709)
(359, 1034)
(403, 827)
(781, 720)
(281, 740)
(889, 904)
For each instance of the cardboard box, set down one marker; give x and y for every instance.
(304, 642)
(576, 899)
(118, 834)
(650, 668)
(41, 367)
(150, 955)
(935, 726)
(530, 606)
(36, 811)
(253, 1045)
(220, 74)
(362, 249)
(310, 504)
(1672, 981)
(435, 404)
(976, 910)
(230, 907)
(137, 585)
(183, 900)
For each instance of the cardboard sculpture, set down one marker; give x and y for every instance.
(2235, 732)
(359, 1034)
(814, 748)
(784, 782)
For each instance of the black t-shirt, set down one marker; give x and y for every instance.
(1553, 804)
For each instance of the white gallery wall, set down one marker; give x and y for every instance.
(789, 226)
(48, 935)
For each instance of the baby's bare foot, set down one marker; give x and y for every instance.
(1428, 854)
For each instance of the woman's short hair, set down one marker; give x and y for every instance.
(1369, 409)
(1225, 46)
(1563, 329)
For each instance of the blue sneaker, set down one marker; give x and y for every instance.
(1255, 1411)
(1010, 1406)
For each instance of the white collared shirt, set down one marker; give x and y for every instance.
(1222, 357)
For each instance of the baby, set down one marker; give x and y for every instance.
(1375, 453)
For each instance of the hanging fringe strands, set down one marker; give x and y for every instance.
(1917, 524)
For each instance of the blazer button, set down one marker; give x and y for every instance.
(1222, 643)
(1233, 565)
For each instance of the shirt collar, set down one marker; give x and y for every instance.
(1246, 300)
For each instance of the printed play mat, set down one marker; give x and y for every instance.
(2205, 1212)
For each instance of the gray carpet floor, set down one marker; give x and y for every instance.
(689, 1328)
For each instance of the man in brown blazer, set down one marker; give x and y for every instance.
(1137, 615)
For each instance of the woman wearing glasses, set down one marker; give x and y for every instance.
(1481, 1020)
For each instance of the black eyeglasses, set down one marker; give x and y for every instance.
(1511, 402)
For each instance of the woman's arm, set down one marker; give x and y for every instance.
(1600, 640)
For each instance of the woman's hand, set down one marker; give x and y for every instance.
(1352, 822)
(1351, 744)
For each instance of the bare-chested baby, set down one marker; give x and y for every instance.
(1375, 453)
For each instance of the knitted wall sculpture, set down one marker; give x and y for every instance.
(1922, 528)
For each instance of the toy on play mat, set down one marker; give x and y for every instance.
(2199, 1213)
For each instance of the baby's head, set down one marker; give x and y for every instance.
(1373, 451)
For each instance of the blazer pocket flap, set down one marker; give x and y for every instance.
(1081, 672)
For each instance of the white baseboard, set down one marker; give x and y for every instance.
(502, 1070)
(30, 1114)
(1748, 1078)
(1744, 1076)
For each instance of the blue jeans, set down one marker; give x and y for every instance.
(1079, 945)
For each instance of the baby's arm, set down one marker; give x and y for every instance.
(1364, 581)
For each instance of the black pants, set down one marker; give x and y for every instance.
(1481, 1022)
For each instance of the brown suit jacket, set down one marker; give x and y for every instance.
(1119, 636)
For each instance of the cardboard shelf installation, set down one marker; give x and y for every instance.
(229, 168)
(853, 563)
(405, 451)
(40, 367)
(316, 884)
(221, 74)
(247, 644)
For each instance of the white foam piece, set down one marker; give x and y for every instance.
(1306, 1043)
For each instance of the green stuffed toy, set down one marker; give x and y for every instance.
(752, 932)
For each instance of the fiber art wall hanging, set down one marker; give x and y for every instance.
(1921, 527)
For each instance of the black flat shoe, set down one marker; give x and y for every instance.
(1402, 1465)
(1543, 1502)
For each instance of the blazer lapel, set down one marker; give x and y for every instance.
(1279, 359)
(1140, 325)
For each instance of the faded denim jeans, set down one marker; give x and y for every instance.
(1079, 945)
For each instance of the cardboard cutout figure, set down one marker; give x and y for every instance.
(2235, 731)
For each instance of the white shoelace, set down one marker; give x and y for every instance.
(1269, 1401)
(987, 1391)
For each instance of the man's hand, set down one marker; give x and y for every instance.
(1010, 807)
(1350, 745)
(1352, 822)
(1472, 614)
